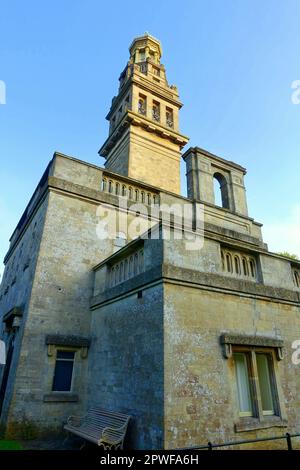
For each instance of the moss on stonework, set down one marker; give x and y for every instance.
(24, 429)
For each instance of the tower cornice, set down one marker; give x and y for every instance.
(159, 92)
(132, 118)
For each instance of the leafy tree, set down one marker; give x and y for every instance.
(288, 255)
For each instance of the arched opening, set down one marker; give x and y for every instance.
(223, 260)
(104, 184)
(141, 261)
(245, 267)
(229, 263)
(121, 271)
(252, 268)
(297, 278)
(126, 269)
(221, 191)
(130, 272)
(237, 265)
(112, 283)
(135, 264)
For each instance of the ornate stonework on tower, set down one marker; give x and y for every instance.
(144, 141)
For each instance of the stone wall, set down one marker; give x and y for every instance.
(59, 304)
(16, 289)
(66, 247)
(126, 363)
(200, 389)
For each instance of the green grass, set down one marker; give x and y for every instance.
(10, 445)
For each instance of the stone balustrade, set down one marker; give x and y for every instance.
(119, 187)
(126, 268)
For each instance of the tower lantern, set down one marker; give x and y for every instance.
(144, 141)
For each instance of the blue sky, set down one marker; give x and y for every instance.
(233, 62)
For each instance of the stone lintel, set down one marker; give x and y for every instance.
(253, 340)
(68, 340)
(228, 340)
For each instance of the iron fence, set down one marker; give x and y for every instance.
(210, 446)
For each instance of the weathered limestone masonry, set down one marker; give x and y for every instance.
(194, 344)
(48, 279)
(197, 304)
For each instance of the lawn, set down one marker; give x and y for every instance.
(10, 445)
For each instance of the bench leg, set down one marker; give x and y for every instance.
(83, 445)
(66, 438)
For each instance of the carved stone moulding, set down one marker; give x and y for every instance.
(228, 340)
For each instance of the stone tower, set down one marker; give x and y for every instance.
(144, 141)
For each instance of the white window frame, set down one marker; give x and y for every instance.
(255, 391)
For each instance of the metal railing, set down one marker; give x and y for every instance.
(210, 446)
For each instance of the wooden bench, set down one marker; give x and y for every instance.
(102, 427)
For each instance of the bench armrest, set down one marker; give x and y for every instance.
(106, 431)
(74, 420)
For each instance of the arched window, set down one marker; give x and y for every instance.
(223, 260)
(221, 191)
(126, 269)
(110, 187)
(252, 268)
(297, 278)
(104, 184)
(156, 111)
(117, 188)
(149, 198)
(141, 261)
(130, 271)
(228, 263)
(237, 265)
(142, 105)
(112, 282)
(123, 190)
(130, 192)
(136, 264)
(245, 267)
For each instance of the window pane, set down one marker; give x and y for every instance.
(243, 385)
(63, 376)
(265, 383)
(65, 354)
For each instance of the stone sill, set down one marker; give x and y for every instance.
(60, 397)
(252, 424)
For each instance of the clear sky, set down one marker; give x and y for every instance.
(234, 62)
